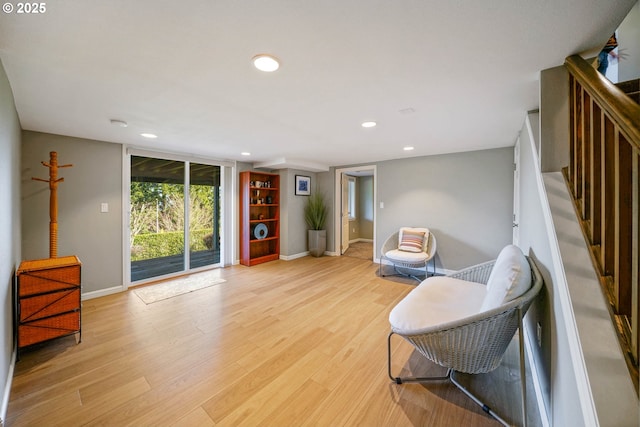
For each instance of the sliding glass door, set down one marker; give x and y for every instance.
(174, 216)
(204, 215)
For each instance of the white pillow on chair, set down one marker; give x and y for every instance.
(413, 239)
(509, 278)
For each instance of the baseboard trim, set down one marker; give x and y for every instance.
(102, 292)
(7, 389)
(304, 254)
(535, 377)
(294, 256)
(361, 240)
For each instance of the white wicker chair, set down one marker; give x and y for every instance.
(388, 249)
(477, 343)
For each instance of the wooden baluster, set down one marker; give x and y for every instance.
(624, 225)
(596, 177)
(586, 158)
(608, 200)
(635, 264)
(572, 131)
(577, 179)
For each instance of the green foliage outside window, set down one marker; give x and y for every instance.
(156, 245)
(157, 219)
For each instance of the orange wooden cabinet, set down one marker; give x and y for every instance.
(47, 299)
(259, 217)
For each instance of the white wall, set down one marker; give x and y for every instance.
(629, 42)
(466, 199)
(293, 228)
(10, 248)
(534, 241)
(554, 119)
(95, 178)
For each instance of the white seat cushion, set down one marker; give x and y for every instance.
(435, 301)
(404, 256)
(509, 278)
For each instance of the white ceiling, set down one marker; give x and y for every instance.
(466, 71)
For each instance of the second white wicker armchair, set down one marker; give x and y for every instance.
(407, 253)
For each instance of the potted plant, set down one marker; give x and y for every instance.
(315, 214)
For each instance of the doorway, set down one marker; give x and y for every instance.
(174, 217)
(355, 208)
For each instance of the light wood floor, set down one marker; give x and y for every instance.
(297, 343)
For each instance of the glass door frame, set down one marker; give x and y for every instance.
(227, 184)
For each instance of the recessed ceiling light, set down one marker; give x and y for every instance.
(149, 135)
(245, 153)
(266, 63)
(369, 124)
(120, 123)
(408, 148)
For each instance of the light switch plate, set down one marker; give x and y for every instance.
(104, 207)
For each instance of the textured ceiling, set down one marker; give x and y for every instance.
(439, 76)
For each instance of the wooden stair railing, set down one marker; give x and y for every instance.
(603, 178)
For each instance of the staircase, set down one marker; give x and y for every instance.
(631, 88)
(604, 180)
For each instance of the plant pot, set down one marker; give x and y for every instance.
(317, 242)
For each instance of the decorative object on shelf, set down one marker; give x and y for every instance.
(303, 185)
(260, 231)
(315, 215)
(259, 217)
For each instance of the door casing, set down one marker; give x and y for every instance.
(337, 237)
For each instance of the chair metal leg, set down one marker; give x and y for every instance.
(400, 273)
(401, 380)
(449, 376)
(484, 407)
(416, 278)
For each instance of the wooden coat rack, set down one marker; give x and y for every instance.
(53, 200)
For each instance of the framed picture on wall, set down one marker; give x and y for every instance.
(303, 185)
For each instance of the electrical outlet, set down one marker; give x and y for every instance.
(539, 334)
